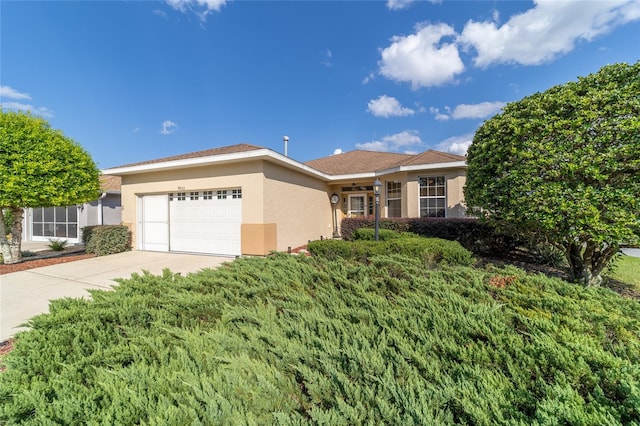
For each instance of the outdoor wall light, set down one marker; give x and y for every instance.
(377, 186)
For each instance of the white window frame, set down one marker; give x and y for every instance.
(390, 198)
(432, 197)
(350, 210)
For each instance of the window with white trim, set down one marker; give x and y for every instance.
(394, 199)
(222, 194)
(236, 193)
(207, 195)
(433, 197)
(59, 222)
(194, 196)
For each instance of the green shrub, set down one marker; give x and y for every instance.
(303, 340)
(471, 233)
(433, 251)
(369, 234)
(103, 240)
(57, 245)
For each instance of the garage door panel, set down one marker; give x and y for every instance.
(155, 222)
(206, 225)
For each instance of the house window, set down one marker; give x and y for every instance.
(394, 199)
(194, 195)
(207, 195)
(237, 193)
(55, 222)
(432, 196)
(356, 206)
(222, 195)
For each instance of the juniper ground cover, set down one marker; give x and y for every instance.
(308, 340)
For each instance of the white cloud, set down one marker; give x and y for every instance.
(402, 141)
(548, 30)
(337, 151)
(168, 127)
(8, 92)
(200, 7)
(327, 56)
(456, 144)
(422, 58)
(41, 111)
(137, 129)
(398, 4)
(473, 111)
(439, 115)
(481, 110)
(369, 77)
(387, 106)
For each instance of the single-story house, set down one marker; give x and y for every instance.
(249, 200)
(66, 223)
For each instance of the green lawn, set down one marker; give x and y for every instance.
(627, 270)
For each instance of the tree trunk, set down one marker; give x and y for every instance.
(587, 261)
(11, 242)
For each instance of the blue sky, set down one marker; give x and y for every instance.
(137, 80)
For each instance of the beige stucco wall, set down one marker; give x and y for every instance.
(455, 191)
(281, 208)
(248, 176)
(298, 204)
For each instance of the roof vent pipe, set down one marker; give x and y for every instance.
(285, 139)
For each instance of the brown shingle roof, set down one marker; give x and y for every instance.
(110, 183)
(433, 157)
(357, 161)
(232, 149)
(371, 161)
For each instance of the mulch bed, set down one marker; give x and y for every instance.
(46, 258)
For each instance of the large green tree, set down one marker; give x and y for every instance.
(39, 167)
(564, 166)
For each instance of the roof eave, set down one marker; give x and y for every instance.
(258, 154)
(418, 167)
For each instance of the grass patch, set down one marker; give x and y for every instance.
(627, 270)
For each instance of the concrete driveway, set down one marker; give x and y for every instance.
(27, 293)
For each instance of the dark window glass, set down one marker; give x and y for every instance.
(61, 230)
(72, 214)
(48, 230)
(48, 214)
(61, 214)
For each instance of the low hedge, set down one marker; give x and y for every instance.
(433, 251)
(103, 240)
(369, 234)
(470, 233)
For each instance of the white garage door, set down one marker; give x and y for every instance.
(206, 221)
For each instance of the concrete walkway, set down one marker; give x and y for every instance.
(635, 252)
(27, 293)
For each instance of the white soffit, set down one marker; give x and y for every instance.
(271, 155)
